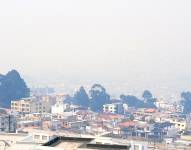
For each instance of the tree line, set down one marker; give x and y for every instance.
(13, 87)
(98, 96)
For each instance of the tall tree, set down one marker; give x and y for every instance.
(186, 102)
(81, 98)
(99, 97)
(133, 101)
(12, 87)
(148, 98)
(147, 95)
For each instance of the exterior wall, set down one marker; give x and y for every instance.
(75, 124)
(24, 124)
(21, 106)
(56, 109)
(138, 146)
(186, 137)
(7, 123)
(42, 137)
(180, 125)
(40, 107)
(31, 106)
(59, 107)
(113, 108)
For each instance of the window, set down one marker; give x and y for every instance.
(44, 137)
(37, 136)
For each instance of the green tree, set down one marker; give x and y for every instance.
(186, 102)
(81, 98)
(12, 87)
(147, 95)
(99, 97)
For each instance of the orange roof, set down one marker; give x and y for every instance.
(114, 116)
(150, 110)
(127, 124)
(108, 116)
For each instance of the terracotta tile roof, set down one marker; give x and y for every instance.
(108, 116)
(150, 110)
(127, 124)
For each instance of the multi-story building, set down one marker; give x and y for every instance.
(23, 105)
(7, 122)
(31, 105)
(41, 106)
(115, 108)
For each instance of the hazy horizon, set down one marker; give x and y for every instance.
(138, 43)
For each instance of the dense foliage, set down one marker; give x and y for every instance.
(147, 95)
(133, 101)
(81, 98)
(98, 97)
(12, 87)
(186, 102)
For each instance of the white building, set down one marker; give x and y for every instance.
(162, 104)
(59, 107)
(115, 108)
(179, 124)
(42, 136)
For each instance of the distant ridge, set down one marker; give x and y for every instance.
(12, 87)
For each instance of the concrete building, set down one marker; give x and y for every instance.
(162, 104)
(59, 107)
(42, 136)
(7, 122)
(181, 125)
(115, 108)
(22, 105)
(28, 124)
(31, 105)
(74, 124)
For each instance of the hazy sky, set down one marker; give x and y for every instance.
(117, 40)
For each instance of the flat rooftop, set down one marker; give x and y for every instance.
(12, 137)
